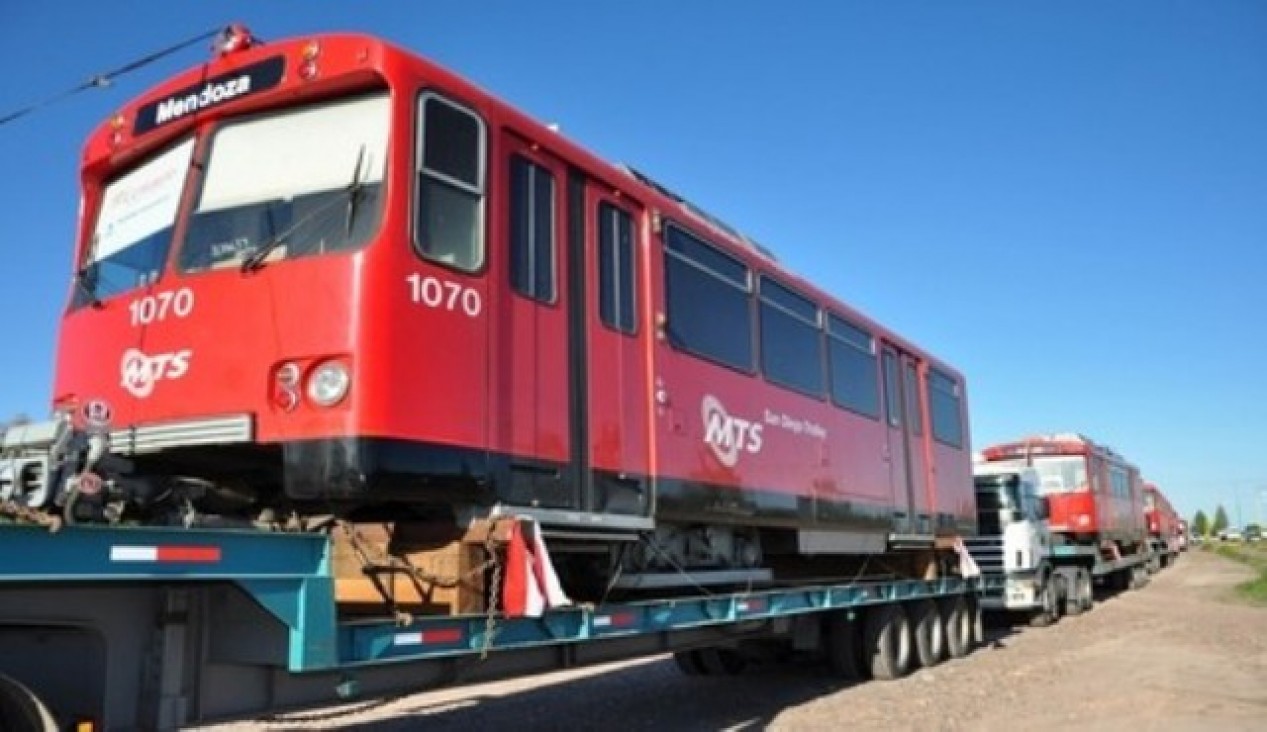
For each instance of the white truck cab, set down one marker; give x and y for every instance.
(1014, 541)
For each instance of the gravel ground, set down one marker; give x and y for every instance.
(1180, 654)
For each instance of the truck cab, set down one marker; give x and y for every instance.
(1016, 543)
(1012, 521)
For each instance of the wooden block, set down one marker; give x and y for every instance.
(422, 569)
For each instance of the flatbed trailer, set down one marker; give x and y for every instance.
(155, 628)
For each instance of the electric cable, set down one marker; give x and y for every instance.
(101, 81)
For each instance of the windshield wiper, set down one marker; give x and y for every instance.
(351, 193)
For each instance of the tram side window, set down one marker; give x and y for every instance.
(791, 341)
(616, 280)
(946, 404)
(851, 354)
(532, 229)
(708, 300)
(450, 213)
(914, 416)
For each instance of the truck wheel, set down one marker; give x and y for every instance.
(888, 642)
(1049, 600)
(21, 710)
(842, 647)
(1080, 597)
(930, 635)
(957, 619)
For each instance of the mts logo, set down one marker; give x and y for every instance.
(139, 372)
(727, 435)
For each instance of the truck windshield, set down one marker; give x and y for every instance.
(310, 177)
(997, 492)
(998, 502)
(133, 232)
(1057, 473)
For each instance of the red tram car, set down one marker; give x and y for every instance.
(1094, 493)
(1161, 518)
(327, 275)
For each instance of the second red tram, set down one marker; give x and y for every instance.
(1094, 493)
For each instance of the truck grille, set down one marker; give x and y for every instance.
(987, 552)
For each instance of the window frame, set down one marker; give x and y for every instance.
(419, 171)
(618, 211)
(535, 168)
(815, 323)
(747, 289)
(934, 375)
(872, 351)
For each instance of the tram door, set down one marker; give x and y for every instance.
(908, 469)
(613, 392)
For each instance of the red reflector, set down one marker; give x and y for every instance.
(751, 606)
(442, 635)
(437, 636)
(615, 620)
(202, 554)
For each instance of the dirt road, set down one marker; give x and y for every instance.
(1177, 655)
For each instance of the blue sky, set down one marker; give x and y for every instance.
(1068, 201)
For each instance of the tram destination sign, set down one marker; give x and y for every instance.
(215, 91)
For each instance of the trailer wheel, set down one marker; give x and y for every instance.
(930, 634)
(957, 618)
(1052, 600)
(21, 710)
(722, 661)
(688, 662)
(888, 641)
(842, 647)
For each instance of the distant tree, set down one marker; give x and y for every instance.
(1220, 520)
(1201, 524)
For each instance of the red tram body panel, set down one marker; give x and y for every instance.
(326, 272)
(1093, 492)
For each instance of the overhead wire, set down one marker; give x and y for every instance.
(103, 80)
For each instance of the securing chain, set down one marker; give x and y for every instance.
(27, 515)
(494, 595)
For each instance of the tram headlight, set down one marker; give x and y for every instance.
(329, 383)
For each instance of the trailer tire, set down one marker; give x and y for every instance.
(688, 662)
(21, 710)
(844, 652)
(888, 642)
(957, 618)
(722, 661)
(930, 634)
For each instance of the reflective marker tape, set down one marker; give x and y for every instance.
(440, 635)
(161, 554)
(618, 620)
